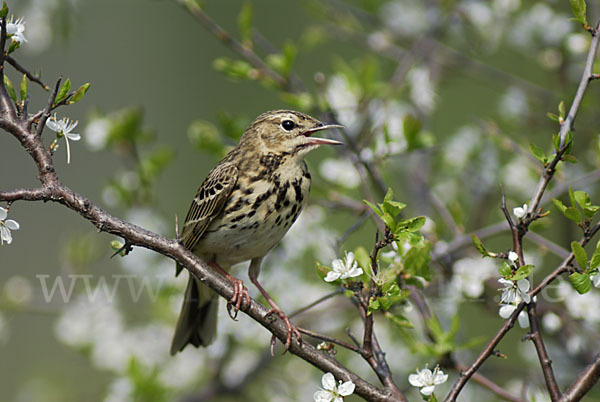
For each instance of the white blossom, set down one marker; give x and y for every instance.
(15, 28)
(332, 391)
(343, 269)
(6, 225)
(427, 380)
(520, 211)
(506, 311)
(63, 127)
(513, 292)
(512, 256)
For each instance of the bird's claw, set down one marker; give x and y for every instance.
(240, 299)
(291, 328)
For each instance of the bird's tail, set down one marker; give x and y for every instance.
(197, 322)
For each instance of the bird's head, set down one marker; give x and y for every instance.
(287, 131)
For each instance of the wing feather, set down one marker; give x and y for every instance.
(208, 203)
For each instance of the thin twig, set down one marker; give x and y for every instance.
(535, 334)
(32, 77)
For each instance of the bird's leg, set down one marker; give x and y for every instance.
(253, 274)
(240, 292)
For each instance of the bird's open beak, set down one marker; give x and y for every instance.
(321, 141)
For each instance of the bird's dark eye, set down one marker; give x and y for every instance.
(288, 125)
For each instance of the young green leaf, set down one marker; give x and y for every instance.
(245, 21)
(572, 197)
(562, 109)
(556, 141)
(559, 205)
(79, 93)
(582, 198)
(9, 87)
(63, 92)
(479, 246)
(579, 11)
(23, 88)
(552, 116)
(580, 254)
(375, 208)
(595, 260)
(523, 272)
(573, 214)
(505, 270)
(4, 11)
(398, 320)
(538, 153)
(581, 282)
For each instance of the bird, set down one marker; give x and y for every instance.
(243, 208)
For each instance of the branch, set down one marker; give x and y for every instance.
(535, 334)
(584, 382)
(53, 190)
(567, 124)
(233, 44)
(510, 322)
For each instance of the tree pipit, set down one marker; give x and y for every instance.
(243, 208)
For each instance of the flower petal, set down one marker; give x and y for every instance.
(74, 137)
(523, 285)
(346, 388)
(12, 225)
(506, 310)
(3, 214)
(53, 125)
(328, 381)
(332, 276)
(322, 396)
(523, 320)
(415, 380)
(338, 265)
(5, 234)
(427, 390)
(440, 377)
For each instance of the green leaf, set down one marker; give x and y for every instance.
(523, 272)
(412, 129)
(374, 305)
(374, 208)
(10, 89)
(573, 214)
(595, 260)
(559, 205)
(505, 270)
(582, 198)
(538, 153)
(562, 109)
(363, 258)
(552, 116)
(4, 11)
(23, 89)
(79, 93)
(398, 320)
(479, 246)
(245, 21)
(572, 197)
(417, 260)
(556, 141)
(581, 282)
(63, 92)
(389, 221)
(580, 254)
(579, 10)
(411, 225)
(569, 159)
